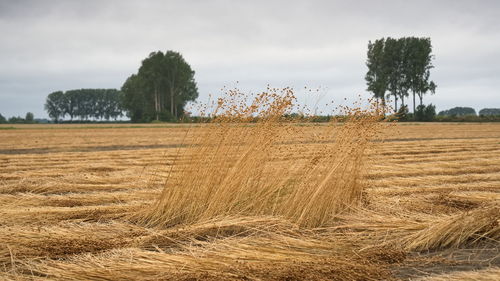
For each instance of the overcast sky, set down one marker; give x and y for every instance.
(61, 45)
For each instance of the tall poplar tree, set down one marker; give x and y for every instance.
(376, 77)
(400, 66)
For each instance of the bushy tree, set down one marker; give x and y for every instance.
(2, 119)
(97, 104)
(30, 118)
(458, 111)
(429, 113)
(400, 66)
(17, 120)
(425, 113)
(489, 112)
(161, 88)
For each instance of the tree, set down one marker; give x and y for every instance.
(134, 100)
(458, 111)
(161, 88)
(16, 120)
(419, 65)
(430, 112)
(55, 105)
(489, 112)
(393, 65)
(399, 66)
(2, 119)
(180, 82)
(96, 104)
(72, 100)
(152, 72)
(425, 113)
(29, 117)
(376, 77)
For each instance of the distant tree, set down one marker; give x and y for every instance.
(489, 112)
(16, 120)
(402, 113)
(135, 100)
(419, 114)
(2, 119)
(162, 86)
(29, 117)
(429, 113)
(55, 105)
(425, 113)
(399, 66)
(392, 63)
(458, 111)
(419, 64)
(376, 77)
(394, 60)
(72, 99)
(87, 104)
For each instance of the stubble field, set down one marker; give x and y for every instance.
(69, 195)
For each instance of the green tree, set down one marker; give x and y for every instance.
(489, 112)
(2, 119)
(30, 118)
(400, 66)
(458, 111)
(72, 101)
(429, 113)
(16, 120)
(392, 58)
(55, 105)
(135, 100)
(419, 63)
(425, 113)
(376, 77)
(88, 104)
(180, 82)
(161, 88)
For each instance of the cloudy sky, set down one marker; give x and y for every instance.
(61, 45)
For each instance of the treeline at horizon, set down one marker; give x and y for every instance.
(164, 83)
(85, 104)
(455, 114)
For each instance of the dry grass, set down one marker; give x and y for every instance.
(489, 274)
(232, 168)
(457, 230)
(67, 196)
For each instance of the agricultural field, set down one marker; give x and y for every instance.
(87, 202)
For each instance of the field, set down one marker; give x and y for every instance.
(70, 195)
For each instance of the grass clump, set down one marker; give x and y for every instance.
(242, 164)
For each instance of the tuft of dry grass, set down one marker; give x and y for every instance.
(232, 167)
(457, 230)
(412, 231)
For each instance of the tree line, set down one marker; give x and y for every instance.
(28, 119)
(85, 104)
(160, 89)
(398, 67)
(165, 82)
(469, 111)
